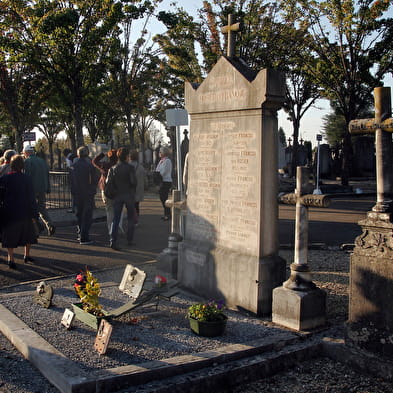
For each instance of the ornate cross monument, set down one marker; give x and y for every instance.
(231, 29)
(370, 322)
(299, 304)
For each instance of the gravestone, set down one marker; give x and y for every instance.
(230, 246)
(364, 156)
(302, 155)
(282, 163)
(325, 160)
(370, 320)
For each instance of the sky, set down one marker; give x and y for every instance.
(311, 123)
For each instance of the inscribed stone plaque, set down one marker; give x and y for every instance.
(103, 336)
(132, 281)
(231, 225)
(67, 318)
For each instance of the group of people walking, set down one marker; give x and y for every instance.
(24, 182)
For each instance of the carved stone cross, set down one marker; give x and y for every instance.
(300, 279)
(231, 29)
(382, 124)
(176, 205)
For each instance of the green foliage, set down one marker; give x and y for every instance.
(88, 289)
(334, 128)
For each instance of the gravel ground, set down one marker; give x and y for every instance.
(168, 330)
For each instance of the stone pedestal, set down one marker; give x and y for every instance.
(370, 322)
(167, 260)
(299, 310)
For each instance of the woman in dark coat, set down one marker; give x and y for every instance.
(19, 211)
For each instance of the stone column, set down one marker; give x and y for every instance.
(167, 261)
(298, 303)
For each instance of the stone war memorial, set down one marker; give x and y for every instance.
(230, 245)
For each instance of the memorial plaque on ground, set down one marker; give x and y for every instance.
(132, 281)
(43, 295)
(230, 249)
(103, 336)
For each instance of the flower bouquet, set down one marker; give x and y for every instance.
(207, 319)
(88, 289)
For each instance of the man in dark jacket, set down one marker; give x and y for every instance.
(84, 180)
(124, 179)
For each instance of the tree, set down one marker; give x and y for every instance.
(22, 88)
(352, 43)
(101, 111)
(137, 71)
(72, 41)
(178, 44)
(265, 41)
(333, 128)
(50, 126)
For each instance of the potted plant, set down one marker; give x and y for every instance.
(207, 319)
(88, 310)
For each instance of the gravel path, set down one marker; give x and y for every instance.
(168, 331)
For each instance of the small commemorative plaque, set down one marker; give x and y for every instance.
(103, 336)
(67, 318)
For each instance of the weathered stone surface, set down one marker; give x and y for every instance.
(370, 322)
(232, 216)
(299, 310)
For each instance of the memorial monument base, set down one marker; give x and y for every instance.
(370, 322)
(243, 281)
(167, 260)
(299, 310)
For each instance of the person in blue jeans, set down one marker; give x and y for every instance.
(124, 179)
(84, 181)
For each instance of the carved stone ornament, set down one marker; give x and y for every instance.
(43, 295)
(375, 243)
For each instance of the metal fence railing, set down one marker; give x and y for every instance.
(60, 191)
(60, 195)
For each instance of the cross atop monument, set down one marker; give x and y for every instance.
(231, 29)
(382, 125)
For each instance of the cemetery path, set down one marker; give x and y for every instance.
(61, 254)
(332, 226)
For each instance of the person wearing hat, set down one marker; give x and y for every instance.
(5, 167)
(38, 170)
(165, 169)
